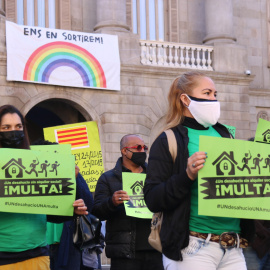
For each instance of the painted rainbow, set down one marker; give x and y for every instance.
(48, 57)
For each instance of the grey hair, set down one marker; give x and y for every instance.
(123, 141)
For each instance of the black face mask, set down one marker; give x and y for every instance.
(11, 139)
(138, 157)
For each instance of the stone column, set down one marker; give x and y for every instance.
(111, 15)
(219, 22)
(2, 32)
(111, 19)
(2, 8)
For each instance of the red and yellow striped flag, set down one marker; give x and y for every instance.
(76, 136)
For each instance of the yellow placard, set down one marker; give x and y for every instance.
(85, 146)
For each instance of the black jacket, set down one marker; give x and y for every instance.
(261, 243)
(168, 189)
(120, 229)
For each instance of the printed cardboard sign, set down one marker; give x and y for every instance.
(85, 146)
(133, 184)
(263, 131)
(54, 148)
(235, 181)
(37, 182)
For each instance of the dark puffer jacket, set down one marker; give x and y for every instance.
(120, 235)
(168, 189)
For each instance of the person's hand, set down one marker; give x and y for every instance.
(77, 169)
(80, 208)
(195, 163)
(119, 197)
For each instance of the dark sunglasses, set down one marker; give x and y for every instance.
(139, 147)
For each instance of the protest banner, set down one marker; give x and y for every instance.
(85, 146)
(235, 180)
(62, 57)
(262, 134)
(37, 182)
(231, 129)
(133, 184)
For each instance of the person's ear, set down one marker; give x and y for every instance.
(123, 151)
(185, 100)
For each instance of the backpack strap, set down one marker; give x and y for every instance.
(172, 143)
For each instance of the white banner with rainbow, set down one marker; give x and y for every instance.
(61, 57)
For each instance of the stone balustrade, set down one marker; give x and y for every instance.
(179, 55)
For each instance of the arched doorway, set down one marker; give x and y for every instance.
(49, 113)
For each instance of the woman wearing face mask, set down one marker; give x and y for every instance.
(23, 236)
(191, 241)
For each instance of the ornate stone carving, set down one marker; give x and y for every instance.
(263, 115)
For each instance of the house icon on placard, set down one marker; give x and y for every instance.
(137, 188)
(266, 136)
(225, 164)
(14, 168)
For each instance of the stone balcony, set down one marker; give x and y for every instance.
(178, 55)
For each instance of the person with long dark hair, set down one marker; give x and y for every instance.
(23, 236)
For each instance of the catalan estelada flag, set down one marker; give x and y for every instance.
(76, 136)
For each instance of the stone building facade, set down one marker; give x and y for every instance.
(233, 33)
(227, 39)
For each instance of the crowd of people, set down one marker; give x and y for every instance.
(189, 240)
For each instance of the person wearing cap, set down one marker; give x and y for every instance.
(126, 237)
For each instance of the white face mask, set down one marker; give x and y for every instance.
(206, 112)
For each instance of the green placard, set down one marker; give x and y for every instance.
(263, 131)
(231, 129)
(133, 184)
(54, 148)
(37, 182)
(235, 181)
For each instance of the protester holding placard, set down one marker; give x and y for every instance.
(126, 237)
(191, 241)
(23, 236)
(64, 254)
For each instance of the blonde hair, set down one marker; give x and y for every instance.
(183, 84)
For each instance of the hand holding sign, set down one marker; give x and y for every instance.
(195, 163)
(119, 197)
(80, 208)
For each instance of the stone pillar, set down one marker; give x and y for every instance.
(111, 16)
(2, 8)
(219, 22)
(228, 56)
(111, 19)
(2, 32)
